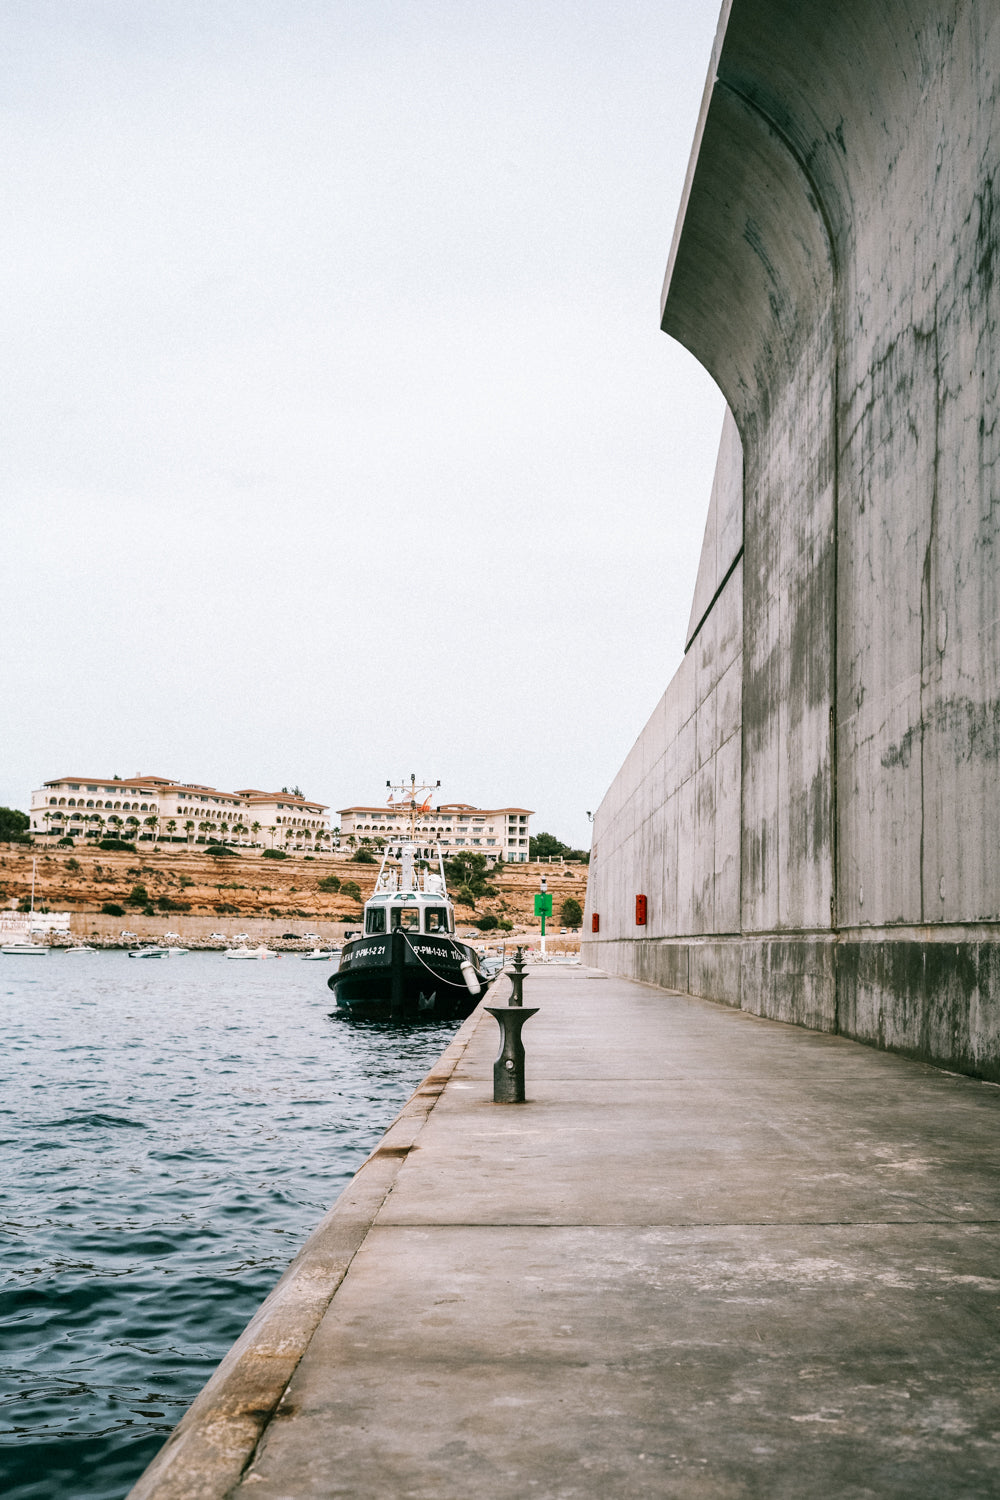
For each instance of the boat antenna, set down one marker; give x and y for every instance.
(415, 797)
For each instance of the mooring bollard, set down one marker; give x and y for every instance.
(517, 976)
(508, 1070)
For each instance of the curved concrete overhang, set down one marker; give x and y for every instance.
(750, 269)
(805, 107)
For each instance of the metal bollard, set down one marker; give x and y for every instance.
(517, 977)
(508, 1070)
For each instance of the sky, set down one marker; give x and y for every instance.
(340, 441)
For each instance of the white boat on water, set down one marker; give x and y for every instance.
(176, 952)
(80, 948)
(260, 952)
(149, 952)
(19, 927)
(321, 955)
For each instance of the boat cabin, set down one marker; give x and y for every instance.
(406, 898)
(411, 913)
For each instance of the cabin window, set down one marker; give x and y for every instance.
(407, 917)
(436, 919)
(375, 919)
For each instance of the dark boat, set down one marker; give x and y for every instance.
(408, 964)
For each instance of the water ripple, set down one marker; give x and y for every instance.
(169, 1138)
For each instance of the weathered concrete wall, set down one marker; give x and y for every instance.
(836, 267)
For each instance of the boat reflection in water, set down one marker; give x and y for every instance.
(408, 965)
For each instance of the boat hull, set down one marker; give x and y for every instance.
(397, 976)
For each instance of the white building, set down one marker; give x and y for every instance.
(496, 832)
(154, 808)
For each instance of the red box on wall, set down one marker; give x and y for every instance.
(595, 921)
(640, 911)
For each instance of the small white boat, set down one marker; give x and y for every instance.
(260, 952)
(176, 952)
(80, 948)
(320, 955)
(150, 952)
(23, 950)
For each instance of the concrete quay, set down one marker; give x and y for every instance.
(713, 1256)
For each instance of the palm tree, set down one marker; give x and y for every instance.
(272, 830)
(189, 829)
(255, 830)
(115, 822)
(133, 824)
(206, 827)
(153, 824)
(240, 830)
(171, 826)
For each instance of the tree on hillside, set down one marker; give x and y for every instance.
(571, 912)
(547, 846)
(13, 825)
(471, 871)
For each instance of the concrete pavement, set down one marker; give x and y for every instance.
(713, 1256)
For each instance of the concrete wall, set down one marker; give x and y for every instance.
(836, 267)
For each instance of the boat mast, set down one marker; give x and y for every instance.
(415, 797)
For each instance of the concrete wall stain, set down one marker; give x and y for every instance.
(836, 271)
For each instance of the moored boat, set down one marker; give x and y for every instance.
(260, 952)
(24, 950)
(149, 951)
(408, 964)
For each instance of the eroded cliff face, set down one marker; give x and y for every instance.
(196, 884)
(835, 268)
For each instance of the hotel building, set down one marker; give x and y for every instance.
(496, 832)
(153, 808)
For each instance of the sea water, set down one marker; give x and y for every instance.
(170, 1132)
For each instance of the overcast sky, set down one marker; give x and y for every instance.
(339, 439)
